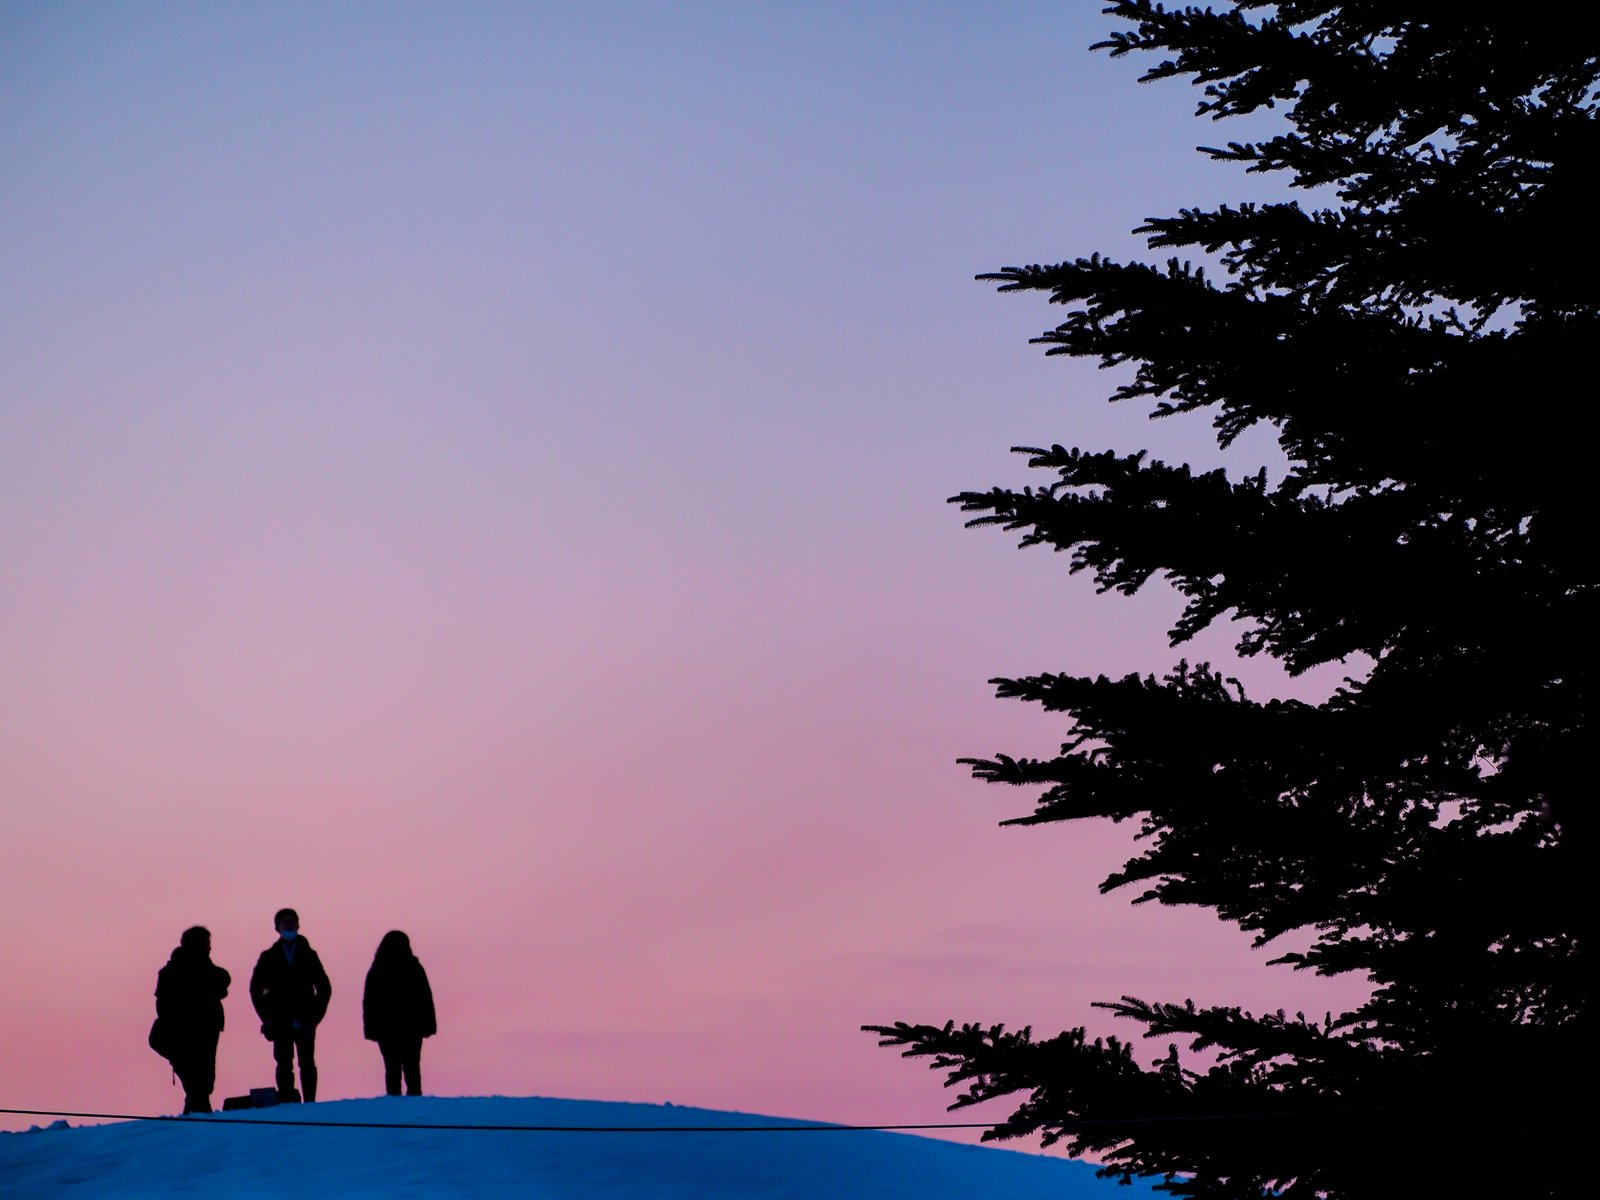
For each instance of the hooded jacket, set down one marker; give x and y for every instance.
(397, 1003)
(189, 992)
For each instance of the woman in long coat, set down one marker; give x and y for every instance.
(189, 992)
(397, 1012)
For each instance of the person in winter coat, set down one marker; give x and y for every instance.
(291, 991)
(397, 1012)
(189, 992)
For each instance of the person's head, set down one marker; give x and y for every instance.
(287, 922)
(394, 945)
(196, 939)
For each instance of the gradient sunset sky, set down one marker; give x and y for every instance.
(480, 470)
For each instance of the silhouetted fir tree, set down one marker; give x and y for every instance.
(1422, 348)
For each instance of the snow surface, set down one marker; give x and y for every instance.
(222, 1158)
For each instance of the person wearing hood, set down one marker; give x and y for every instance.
(290, 991)
(397, 1012)
(189, 1020)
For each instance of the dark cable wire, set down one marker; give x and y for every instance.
(1061, 1125)
(232, 1120)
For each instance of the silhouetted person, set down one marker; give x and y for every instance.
(189, 992)
(290, 991)
(397, 1012)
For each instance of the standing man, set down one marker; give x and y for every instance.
(290, 991)
(189, 992)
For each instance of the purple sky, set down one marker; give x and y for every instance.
(480, 470)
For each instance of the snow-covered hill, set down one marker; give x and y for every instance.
(221, 1157)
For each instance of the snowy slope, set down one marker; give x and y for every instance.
(221, 1158)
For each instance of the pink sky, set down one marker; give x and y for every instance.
(481, 472)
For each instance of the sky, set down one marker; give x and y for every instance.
(229, 1157)
(481, 469)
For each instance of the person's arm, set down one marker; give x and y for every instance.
(368, 1031)
(258, 987)
(324, 989)
(430, 1020)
